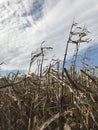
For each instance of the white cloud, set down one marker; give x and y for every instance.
(20, 34)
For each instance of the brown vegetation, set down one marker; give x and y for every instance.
(54, 99)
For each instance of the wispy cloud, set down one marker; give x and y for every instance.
(25, 24)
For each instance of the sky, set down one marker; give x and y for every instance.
(25, 24)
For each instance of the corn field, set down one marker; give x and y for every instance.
(56, 98)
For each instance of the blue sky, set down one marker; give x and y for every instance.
(24, 24)
(90, 54)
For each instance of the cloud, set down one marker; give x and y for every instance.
(24, 25)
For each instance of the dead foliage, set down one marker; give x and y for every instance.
(53, 99)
